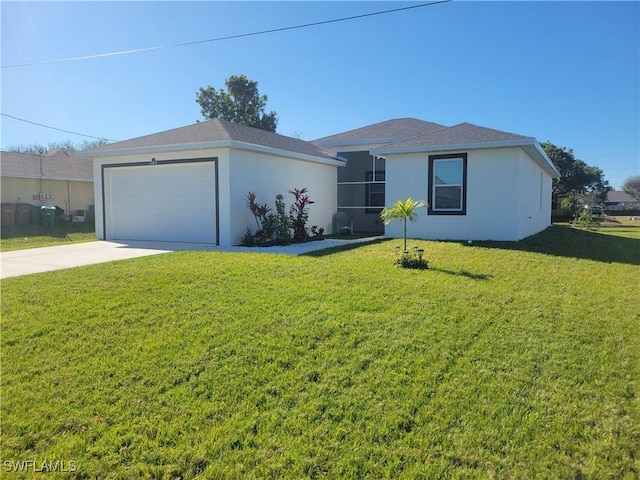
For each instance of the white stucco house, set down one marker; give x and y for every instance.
(480, 183)
(190, 184)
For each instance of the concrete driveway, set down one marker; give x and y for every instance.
(45, 259)
(37, 260)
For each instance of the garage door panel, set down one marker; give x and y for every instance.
(174, 202)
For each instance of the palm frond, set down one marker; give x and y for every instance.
(400, 209)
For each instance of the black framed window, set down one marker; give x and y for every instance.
(448, 184)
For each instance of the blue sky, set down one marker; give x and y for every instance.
(567, 72)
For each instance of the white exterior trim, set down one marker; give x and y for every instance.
(233, 144)
(44, 177)
(453, 146)
(529, 145)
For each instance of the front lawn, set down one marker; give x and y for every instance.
(504, 360)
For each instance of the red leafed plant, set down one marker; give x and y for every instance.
(259, 211)
(299, 213)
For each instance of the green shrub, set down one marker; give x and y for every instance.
(249, 240)
(585, 219)
(281, 222)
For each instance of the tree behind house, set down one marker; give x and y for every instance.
(241, 103)
(578, 181)
(37, 148)
(631, 186)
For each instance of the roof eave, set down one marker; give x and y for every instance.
(536, 152)
(452, 146)
(235, 144)
(252, 147)
(118, 152)
(47, 177)
(529, 144)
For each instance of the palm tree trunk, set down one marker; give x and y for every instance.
(405, 234)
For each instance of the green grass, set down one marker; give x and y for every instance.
(620, 226)
(19, 237)
(505, 360)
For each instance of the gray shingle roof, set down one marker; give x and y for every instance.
(387, 131)
(467, 135)
(463, 133)
(58, 164)
(212, 131)
(617, 196)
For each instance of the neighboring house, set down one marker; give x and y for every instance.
(190, 184)
(361, 184)
(480, 183)
(53, 178)
(617, 200)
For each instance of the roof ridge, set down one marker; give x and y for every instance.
(227, 123)
(489, 128)
(385, 131)
(417, 136)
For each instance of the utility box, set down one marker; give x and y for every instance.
(48, 214)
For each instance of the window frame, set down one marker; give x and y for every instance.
(370, 179)
(432, 188)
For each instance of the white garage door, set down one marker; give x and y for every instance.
(173, 202)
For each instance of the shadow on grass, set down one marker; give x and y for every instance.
(462, 273)
(565, 241)
(341, 248)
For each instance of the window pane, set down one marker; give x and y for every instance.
(376, 188)
(447, 198)
(376, 200)
(447, 172)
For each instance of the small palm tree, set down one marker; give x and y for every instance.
(404, 210)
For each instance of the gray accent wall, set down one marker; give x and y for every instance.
(359, 168)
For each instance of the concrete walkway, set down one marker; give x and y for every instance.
(45, 259)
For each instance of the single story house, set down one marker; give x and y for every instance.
(190, 184)
(620, 201)
(57, 178)
(480, 183)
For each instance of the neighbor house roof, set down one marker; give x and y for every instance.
(380, 133)
(213, 133)
(469, 136)
(617, 196)
(61, 164)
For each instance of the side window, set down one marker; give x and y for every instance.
(448, 184)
